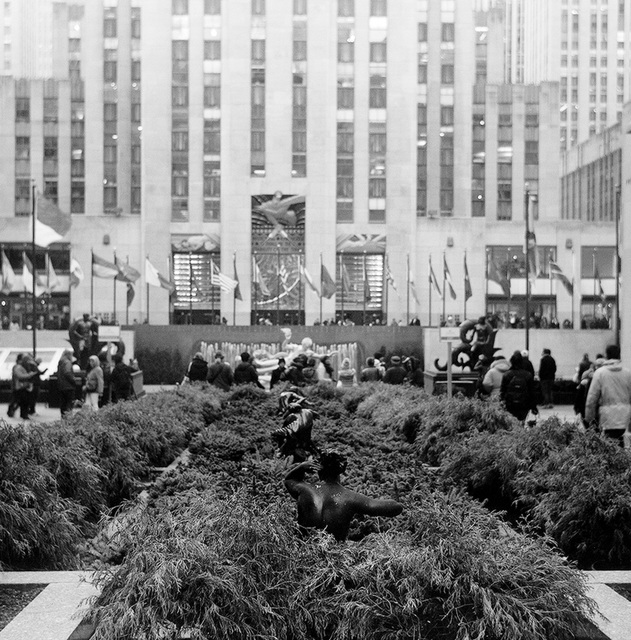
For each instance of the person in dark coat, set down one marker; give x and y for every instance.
(220, 373)
(245, 372)
(527, 364)
(416, 376)
(294, 375)
(120, 380)
(278, 375)
(547, 373)
(370, 373)
(66, 384)
(517, 392)
(395, 373)
(198, 368)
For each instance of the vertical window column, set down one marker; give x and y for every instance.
(505, 160)
(478, 153)
(77, 147)
(299, 117)
(136, 122)
(257, 145)
(179, 127)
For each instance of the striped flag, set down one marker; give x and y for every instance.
(308, 279)
(8, 275)
(433, 281)
(258, 279)
(447, 277)
(237, 289)
(51, 223)
(103, 268)
(468, 292)
(76, 273)
(219, 279)
(155, 279)
(557, 274)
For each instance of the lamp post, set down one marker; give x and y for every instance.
(527, 248)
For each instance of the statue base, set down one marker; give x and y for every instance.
(462, 383)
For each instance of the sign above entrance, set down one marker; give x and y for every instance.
(109, 333)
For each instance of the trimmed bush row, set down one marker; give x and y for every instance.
(217, 553)
(57, 480)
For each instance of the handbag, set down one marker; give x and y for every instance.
(186, 380)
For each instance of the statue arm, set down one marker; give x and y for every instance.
(376, 507)
(295, 477)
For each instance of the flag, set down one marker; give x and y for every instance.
(366, 282)
(51, 223)
(237, 289)
(532, 256)
(601, 291)
(308, 279)
(412, 287)
(497, 275)
(346, 281)
(390, 277)
(155, 279)
(468, 292)
(52, 281)
(126, 272)
(27, 277)
(327, 283)
(219, 279)
(8, 275)
(76, 273)
(433, 281)
(131, 292)
(102, 268)
(555, 272)
(447, 277)
(258, 280)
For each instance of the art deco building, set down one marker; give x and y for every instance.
(372, 141)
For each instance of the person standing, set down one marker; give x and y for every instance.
(547, 374)
(198, 368)
(347, 376)
(32, 366)
(527, 364)
(370, 373)
(66, 384)
(245, 372)
(220, 373)
(120, 380)
(395, 373)
(517, 390)
(609, 397)
(22, 387)
(492, 381)
(94, 385)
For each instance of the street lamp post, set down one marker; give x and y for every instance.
(617, 270)
(527, 248)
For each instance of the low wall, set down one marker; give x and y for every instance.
(567, 346)
(182, 341)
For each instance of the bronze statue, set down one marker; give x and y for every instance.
(477, 339)
(326, 504)
(294, 437)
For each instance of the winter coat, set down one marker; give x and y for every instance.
(528, 403)
(395, 375)
(492, 381)
(609, 397)
(547, 368)
(245, 373)
(94, 381)
(346, 378)
(220, 375)
(65, 375)
(197, 370)
(370, 374)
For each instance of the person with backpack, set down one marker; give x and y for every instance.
(517, 391)
(120, 380)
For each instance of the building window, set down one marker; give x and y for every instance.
(448, 32)
(378, 8)
(212, 50)
(345, 52)
(110, 71)
(300, 7)
(212, 7)
(109, 23)
(422, 31)
(77, 197)
(258, 7)
(180, 97)
(22, 197)
(50, 148)
(378, 52)
(135, 22)
(212, 89)
(110, 198)
(50, 110)
(447, 74)
(179, 140)
(22, 109)
(180, 7)
(22, 148)
(50, 190)
(212, 137)
(377, 92)
(346, 8)
(135, 71)
(258, 51)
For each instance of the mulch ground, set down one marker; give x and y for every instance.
(13, 598)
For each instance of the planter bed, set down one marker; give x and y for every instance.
(13, 598)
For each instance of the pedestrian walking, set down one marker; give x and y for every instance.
(66, 385)
(547, 374)
(22, 386)
(609, 397)
(517, 391)
(94, 384)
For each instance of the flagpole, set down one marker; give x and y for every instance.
(190, 288)
(92, 282)
(486, 282)
(254, 289)
(321, 287)
(465, 285)
(147, 304)
(429, 279)
(126, 303)
(365, 285)
(527, 250)
(510, 288)
(385, 316)
(573, 286)
(234, 293)
(114, 288)
(444, 292)
(278, 283)
(342, 281)
(300, 276)
(407, 297)
(33, 278)
(594, 286)
(212, 291)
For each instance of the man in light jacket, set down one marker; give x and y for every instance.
(492, 381)
(609, 398)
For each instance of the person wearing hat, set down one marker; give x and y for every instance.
(395, 373)
(220, 373)
(347, 376)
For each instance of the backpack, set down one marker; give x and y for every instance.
(517, 391)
